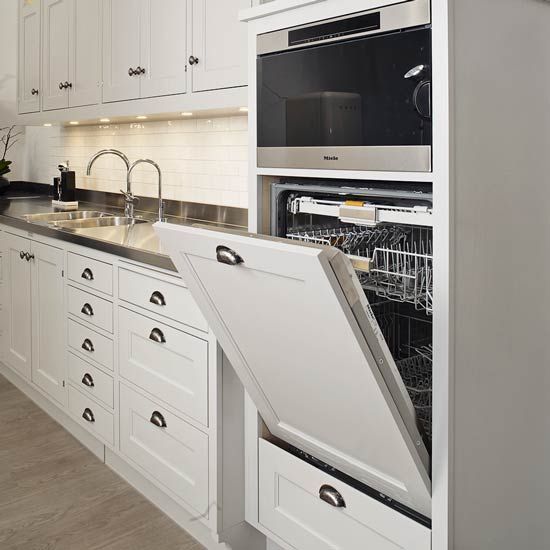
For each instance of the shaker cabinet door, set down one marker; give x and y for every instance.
(121, 49)
(29, 57)
(219, 44)
(163, 47)
(296, 325)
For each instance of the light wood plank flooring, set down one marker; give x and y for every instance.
(56, 495)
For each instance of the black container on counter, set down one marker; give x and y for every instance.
(67, 188)
(55, 189)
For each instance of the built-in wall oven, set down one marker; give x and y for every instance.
(352, 93)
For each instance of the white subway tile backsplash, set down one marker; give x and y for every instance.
(202, 160)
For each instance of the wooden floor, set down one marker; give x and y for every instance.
(56, 495)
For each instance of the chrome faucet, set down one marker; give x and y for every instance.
(129, 198)
(152, 163)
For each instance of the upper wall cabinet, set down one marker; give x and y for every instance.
(29, 56)
(70, 53)
(218, 63)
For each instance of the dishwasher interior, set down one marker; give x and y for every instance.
(386, 230)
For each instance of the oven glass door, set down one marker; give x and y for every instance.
(298, 330)
(363, 93)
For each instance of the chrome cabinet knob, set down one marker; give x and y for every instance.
(225, 255)
(34, 91)
(22, 255)
(158, 420)
(193, 60)
(131, 72)
(29, 256)
(88, 274)
(140, 70)
(331, 496)
(88, 310)
(157, 336)
(61, 86)
(88, 415)
(87, 380)
(157, 299)
(88, 346)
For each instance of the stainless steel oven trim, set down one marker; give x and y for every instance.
(402, 15)
(406, 158)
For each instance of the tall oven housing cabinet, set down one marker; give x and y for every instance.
(388, 333)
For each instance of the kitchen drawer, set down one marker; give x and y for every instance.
(91, 273)
(91, 344)
(90, 380)
(99, 422)
(290, 507)
(90, 308)
(166, 362)
(160, 296)
(171, 451)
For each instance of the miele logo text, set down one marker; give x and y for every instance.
(328, 157)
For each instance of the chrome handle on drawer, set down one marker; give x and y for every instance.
(88, 415)
(87, 345)
(225, 255)
(87, 380)
(157, 336)
(157, 299)
(331, 496)
(87, 310)
(88, 274)
(158, 420)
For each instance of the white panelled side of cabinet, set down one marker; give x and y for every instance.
(29, 57)
(17, 304)
(48, 320)
(221, 63)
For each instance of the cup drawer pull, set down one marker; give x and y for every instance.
(331, 496)
(87, 380)
(157, 299)
(157, 336)
(158, 420)
(87, 345)
(87, 274)
(88, 415)
(88, 310)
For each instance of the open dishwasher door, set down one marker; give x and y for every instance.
(294, 321)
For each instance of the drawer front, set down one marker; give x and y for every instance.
(91, 344)
(160, 296)
(99, 421)
(165, 362)
(91, 273)
(90, 380)
(90, 308)
(290, 507)
(170, 450)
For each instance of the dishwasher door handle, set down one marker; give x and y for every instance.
(225, 255)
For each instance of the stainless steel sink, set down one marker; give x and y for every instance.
(89, 223)
(51, 217)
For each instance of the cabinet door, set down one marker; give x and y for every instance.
(121, 49)
(85, 53)
(219, 44)
(163, 47)
(56, 20)
(29, 56)
(48, 321)
(17, 304)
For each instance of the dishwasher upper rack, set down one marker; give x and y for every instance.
(394, 261)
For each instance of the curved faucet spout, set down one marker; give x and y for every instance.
(115, 152)
(152, 163)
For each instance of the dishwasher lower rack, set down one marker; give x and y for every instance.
(394, 261)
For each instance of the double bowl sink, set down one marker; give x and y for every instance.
(81, 219)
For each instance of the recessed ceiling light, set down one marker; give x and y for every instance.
(74, 123)
(47, 124)
(243, 109)
(141, 117)
(104, 120)
(187, 114)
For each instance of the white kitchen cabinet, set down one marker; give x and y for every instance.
(48, 338)
(218, 63)
(29, 56)
(17, 304)
(144, 51)
(121, 49)
(70, 53)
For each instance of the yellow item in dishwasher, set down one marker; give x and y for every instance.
(354, 203)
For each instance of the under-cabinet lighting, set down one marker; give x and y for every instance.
(141, 117)
(186, 114)
(243, 109)
(74, 123)
(104, 120)
(47, 124)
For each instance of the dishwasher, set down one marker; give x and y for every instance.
(327, 320)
